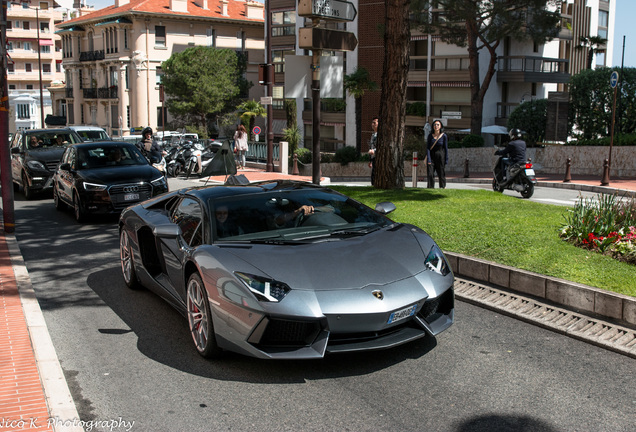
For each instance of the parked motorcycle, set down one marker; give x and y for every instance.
(518, 177)
(200, 158)
(179, 158)
(171, 163)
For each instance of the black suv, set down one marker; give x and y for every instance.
(35, 154)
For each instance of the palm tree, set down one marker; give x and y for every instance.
(357, 84)
(592, 43)
(249, 110)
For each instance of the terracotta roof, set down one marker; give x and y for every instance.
(235, 9)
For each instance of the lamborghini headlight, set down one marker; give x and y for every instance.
(436, 261)
(263, 288)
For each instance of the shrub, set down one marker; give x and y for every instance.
(619, 140)
(304, 156)
(414, 143)
(345, 155)
(416, 109)
(471, 140)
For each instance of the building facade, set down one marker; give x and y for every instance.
(112, 57)
(35, 60)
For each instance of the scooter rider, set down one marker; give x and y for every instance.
(514, 152)
(149, 146)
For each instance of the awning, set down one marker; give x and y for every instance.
(492, 129)
(120, 20)
(70, 30)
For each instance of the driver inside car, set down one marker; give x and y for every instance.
(286, 217)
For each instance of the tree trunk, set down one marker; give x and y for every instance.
(476, 106)
(478, 88)
(358, 108)
(389, 164)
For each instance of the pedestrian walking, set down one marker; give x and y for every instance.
(436, 156)
(240, 145)
(372, 147)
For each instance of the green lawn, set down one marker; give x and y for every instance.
(503, 229)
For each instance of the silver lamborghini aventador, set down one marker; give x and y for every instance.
(287, 270)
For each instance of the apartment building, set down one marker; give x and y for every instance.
(112, 57)
(439, 77)
(35, 60)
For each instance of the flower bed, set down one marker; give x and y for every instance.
(606, 224)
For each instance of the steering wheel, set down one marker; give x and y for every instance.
(302, 217)
(298, 220)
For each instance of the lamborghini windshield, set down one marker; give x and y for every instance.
(291, 216)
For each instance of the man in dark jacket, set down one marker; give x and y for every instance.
(149, 147)
(514, 152)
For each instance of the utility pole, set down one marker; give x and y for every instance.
(269, 85)
(8, 213)
(37, 23)
(317, 38)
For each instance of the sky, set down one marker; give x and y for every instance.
(625, 13)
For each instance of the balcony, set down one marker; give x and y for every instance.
(90, 93)
(107, 92)
(443, 68)
(532, 69)
(92, 55)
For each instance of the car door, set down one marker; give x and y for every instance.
(188, 215)
(65, 178)
(16, 158)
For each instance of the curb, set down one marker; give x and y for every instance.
(554, 184)
(58, 396)
(578, 297)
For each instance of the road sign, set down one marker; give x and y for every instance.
(336, 10)
(256, 130)
(318, 38)
(266, 100)
(454, 115)
(614, 79)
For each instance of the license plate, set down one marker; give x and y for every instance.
(402, 314)
(130, 197)
(529, 172)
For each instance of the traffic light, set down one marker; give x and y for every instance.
(265, 74)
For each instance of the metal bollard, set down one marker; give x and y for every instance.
(466, 173)
(414, 174)
(295, 167)
(568, 175)
(606, 177)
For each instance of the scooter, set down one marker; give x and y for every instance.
(518, 177)
(200, 158)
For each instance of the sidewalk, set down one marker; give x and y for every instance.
(34, 395)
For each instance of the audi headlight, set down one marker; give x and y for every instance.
(36, 165)
(436, 261)
(94, 187)
(159, 182)
(263, 288)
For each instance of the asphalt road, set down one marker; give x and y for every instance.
(128, 355)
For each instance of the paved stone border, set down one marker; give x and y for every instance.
(58, 396)
(579, 297)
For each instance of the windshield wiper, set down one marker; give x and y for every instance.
(354, 232)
